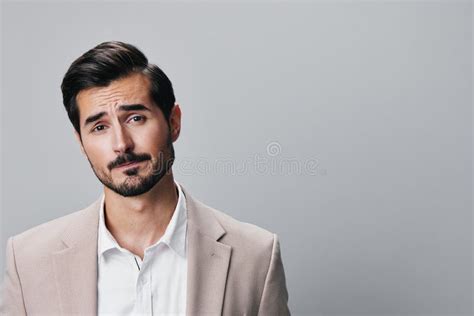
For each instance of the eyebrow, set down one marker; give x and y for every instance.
(123, 108)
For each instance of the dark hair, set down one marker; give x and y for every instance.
(107, 62)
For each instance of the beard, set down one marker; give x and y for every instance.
(136, 184)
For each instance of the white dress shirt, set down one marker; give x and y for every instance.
(156, 286)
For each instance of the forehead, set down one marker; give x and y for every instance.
(134, 88)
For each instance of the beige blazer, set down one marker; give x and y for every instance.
(234, 268)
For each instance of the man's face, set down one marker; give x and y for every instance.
(125, 136)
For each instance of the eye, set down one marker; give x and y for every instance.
(98, 128)
(137, 118)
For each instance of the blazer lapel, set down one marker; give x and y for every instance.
(75, 266)
(208, 260)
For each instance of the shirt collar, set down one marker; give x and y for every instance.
(174, 236)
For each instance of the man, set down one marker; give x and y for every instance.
(146, 246)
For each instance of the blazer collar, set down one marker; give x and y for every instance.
(202, 218)
(75, 267)
(208, 261)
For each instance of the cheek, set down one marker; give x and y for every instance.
(97, 152)
(152, 139)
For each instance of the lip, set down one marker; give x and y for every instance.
(128, 165)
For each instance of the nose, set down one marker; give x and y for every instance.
(123, 141)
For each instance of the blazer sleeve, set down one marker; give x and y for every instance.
(11, 302)
(274, 299)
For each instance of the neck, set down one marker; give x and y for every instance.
(138, 222)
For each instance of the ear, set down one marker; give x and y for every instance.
(78, 138)
(175, 122)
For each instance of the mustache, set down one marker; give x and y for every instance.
(128, 157)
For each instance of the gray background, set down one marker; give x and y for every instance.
(376, 95)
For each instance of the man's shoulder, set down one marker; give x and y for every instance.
(51, 227)
(241, 229)
(241, 234)
(253, 248)
(47, 234)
